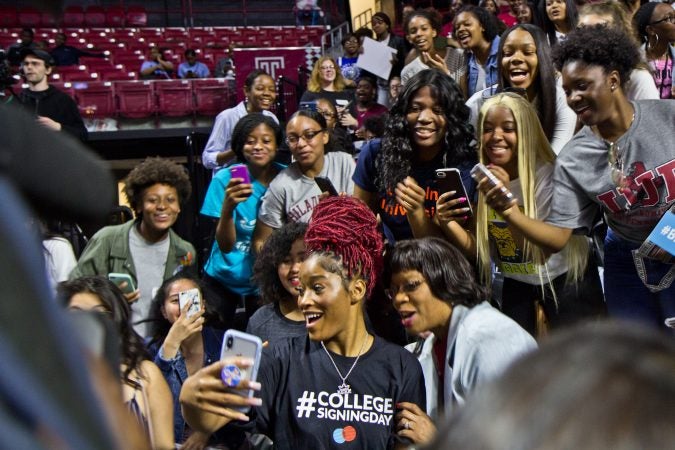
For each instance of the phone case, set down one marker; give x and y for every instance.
(190, 296)
(119, 278)
(325, 185)
(479, 172)
(240, 171)
(236, 343)
(448, 180)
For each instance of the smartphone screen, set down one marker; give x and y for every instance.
(238, 344)
(192, 297)
(240, 171)
(325, 185)
(448, 180)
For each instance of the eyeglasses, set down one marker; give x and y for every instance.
(669, 19)
(326, 114)
(327, 68)
(293, 139)
(616, 165)
(407, 288)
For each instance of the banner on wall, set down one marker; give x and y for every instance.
(276, 61)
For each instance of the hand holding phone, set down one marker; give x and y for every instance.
(120, 278)
(240, 171)
(238, 344)
(450, 180)
(326, 186)
(191, 297)
(480, 172)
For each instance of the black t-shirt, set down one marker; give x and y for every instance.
(302, 409)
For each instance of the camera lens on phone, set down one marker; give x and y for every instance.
(230, 340)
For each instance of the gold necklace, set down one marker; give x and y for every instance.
(344, 388)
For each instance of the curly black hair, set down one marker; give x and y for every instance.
(246, 125)
(397, 154)
(132, 348)
(152, 171)
(599, 45)
(271, 255)
(432, 18)
(486, 19)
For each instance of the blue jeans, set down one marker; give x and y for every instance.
(627, 297)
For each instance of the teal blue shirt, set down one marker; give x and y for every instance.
(233, 270)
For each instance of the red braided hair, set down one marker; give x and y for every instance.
(347, 228)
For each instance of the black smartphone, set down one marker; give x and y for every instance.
(451, 180)
(325, 185)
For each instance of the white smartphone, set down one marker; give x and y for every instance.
(480, 172)
(192, 297)
(119, 278)
(238, 344)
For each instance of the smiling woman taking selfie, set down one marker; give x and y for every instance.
(310, 385)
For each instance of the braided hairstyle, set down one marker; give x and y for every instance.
(345, 229)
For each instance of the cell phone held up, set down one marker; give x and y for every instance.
(238, 344)
(325, 185)
(240, 171)
(448, 180)
(119, 278)
(480, 172)
(191, 297)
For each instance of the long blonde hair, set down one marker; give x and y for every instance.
(533, 150)
(314, 82)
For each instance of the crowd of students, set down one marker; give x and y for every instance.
(352, 250)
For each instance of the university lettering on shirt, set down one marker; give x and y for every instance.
(390, 207)
(645, 197)
(302, 208)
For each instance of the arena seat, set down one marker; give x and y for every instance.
(136, 16)
(174, 98)
(115, 16)
(95, 99)
(73, 16)
(135, 99)
(94, 16)
(8, 16)
(29, 17)
(212, 95)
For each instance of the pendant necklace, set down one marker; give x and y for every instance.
(344, 388)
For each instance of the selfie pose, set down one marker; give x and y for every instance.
(310, 385)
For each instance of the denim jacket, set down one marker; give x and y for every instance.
(175, 372)
(491, 68)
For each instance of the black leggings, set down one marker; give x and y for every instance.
(575, 302)
(224, 303)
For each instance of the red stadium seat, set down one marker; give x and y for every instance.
(137, 16)
(73, 16)
(174, 98)
(94, 16)
(95, 99)
(135, 99)
(212, 95)
(48, 19)
(115, 16)
(29, 17)
(66, 87)
(73, 73)
(8, 16)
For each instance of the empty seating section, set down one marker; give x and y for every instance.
(136, 99)
(109, 86)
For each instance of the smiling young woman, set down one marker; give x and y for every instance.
(260, 93)
(233, 204)
(338, 383)
(427, 130)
